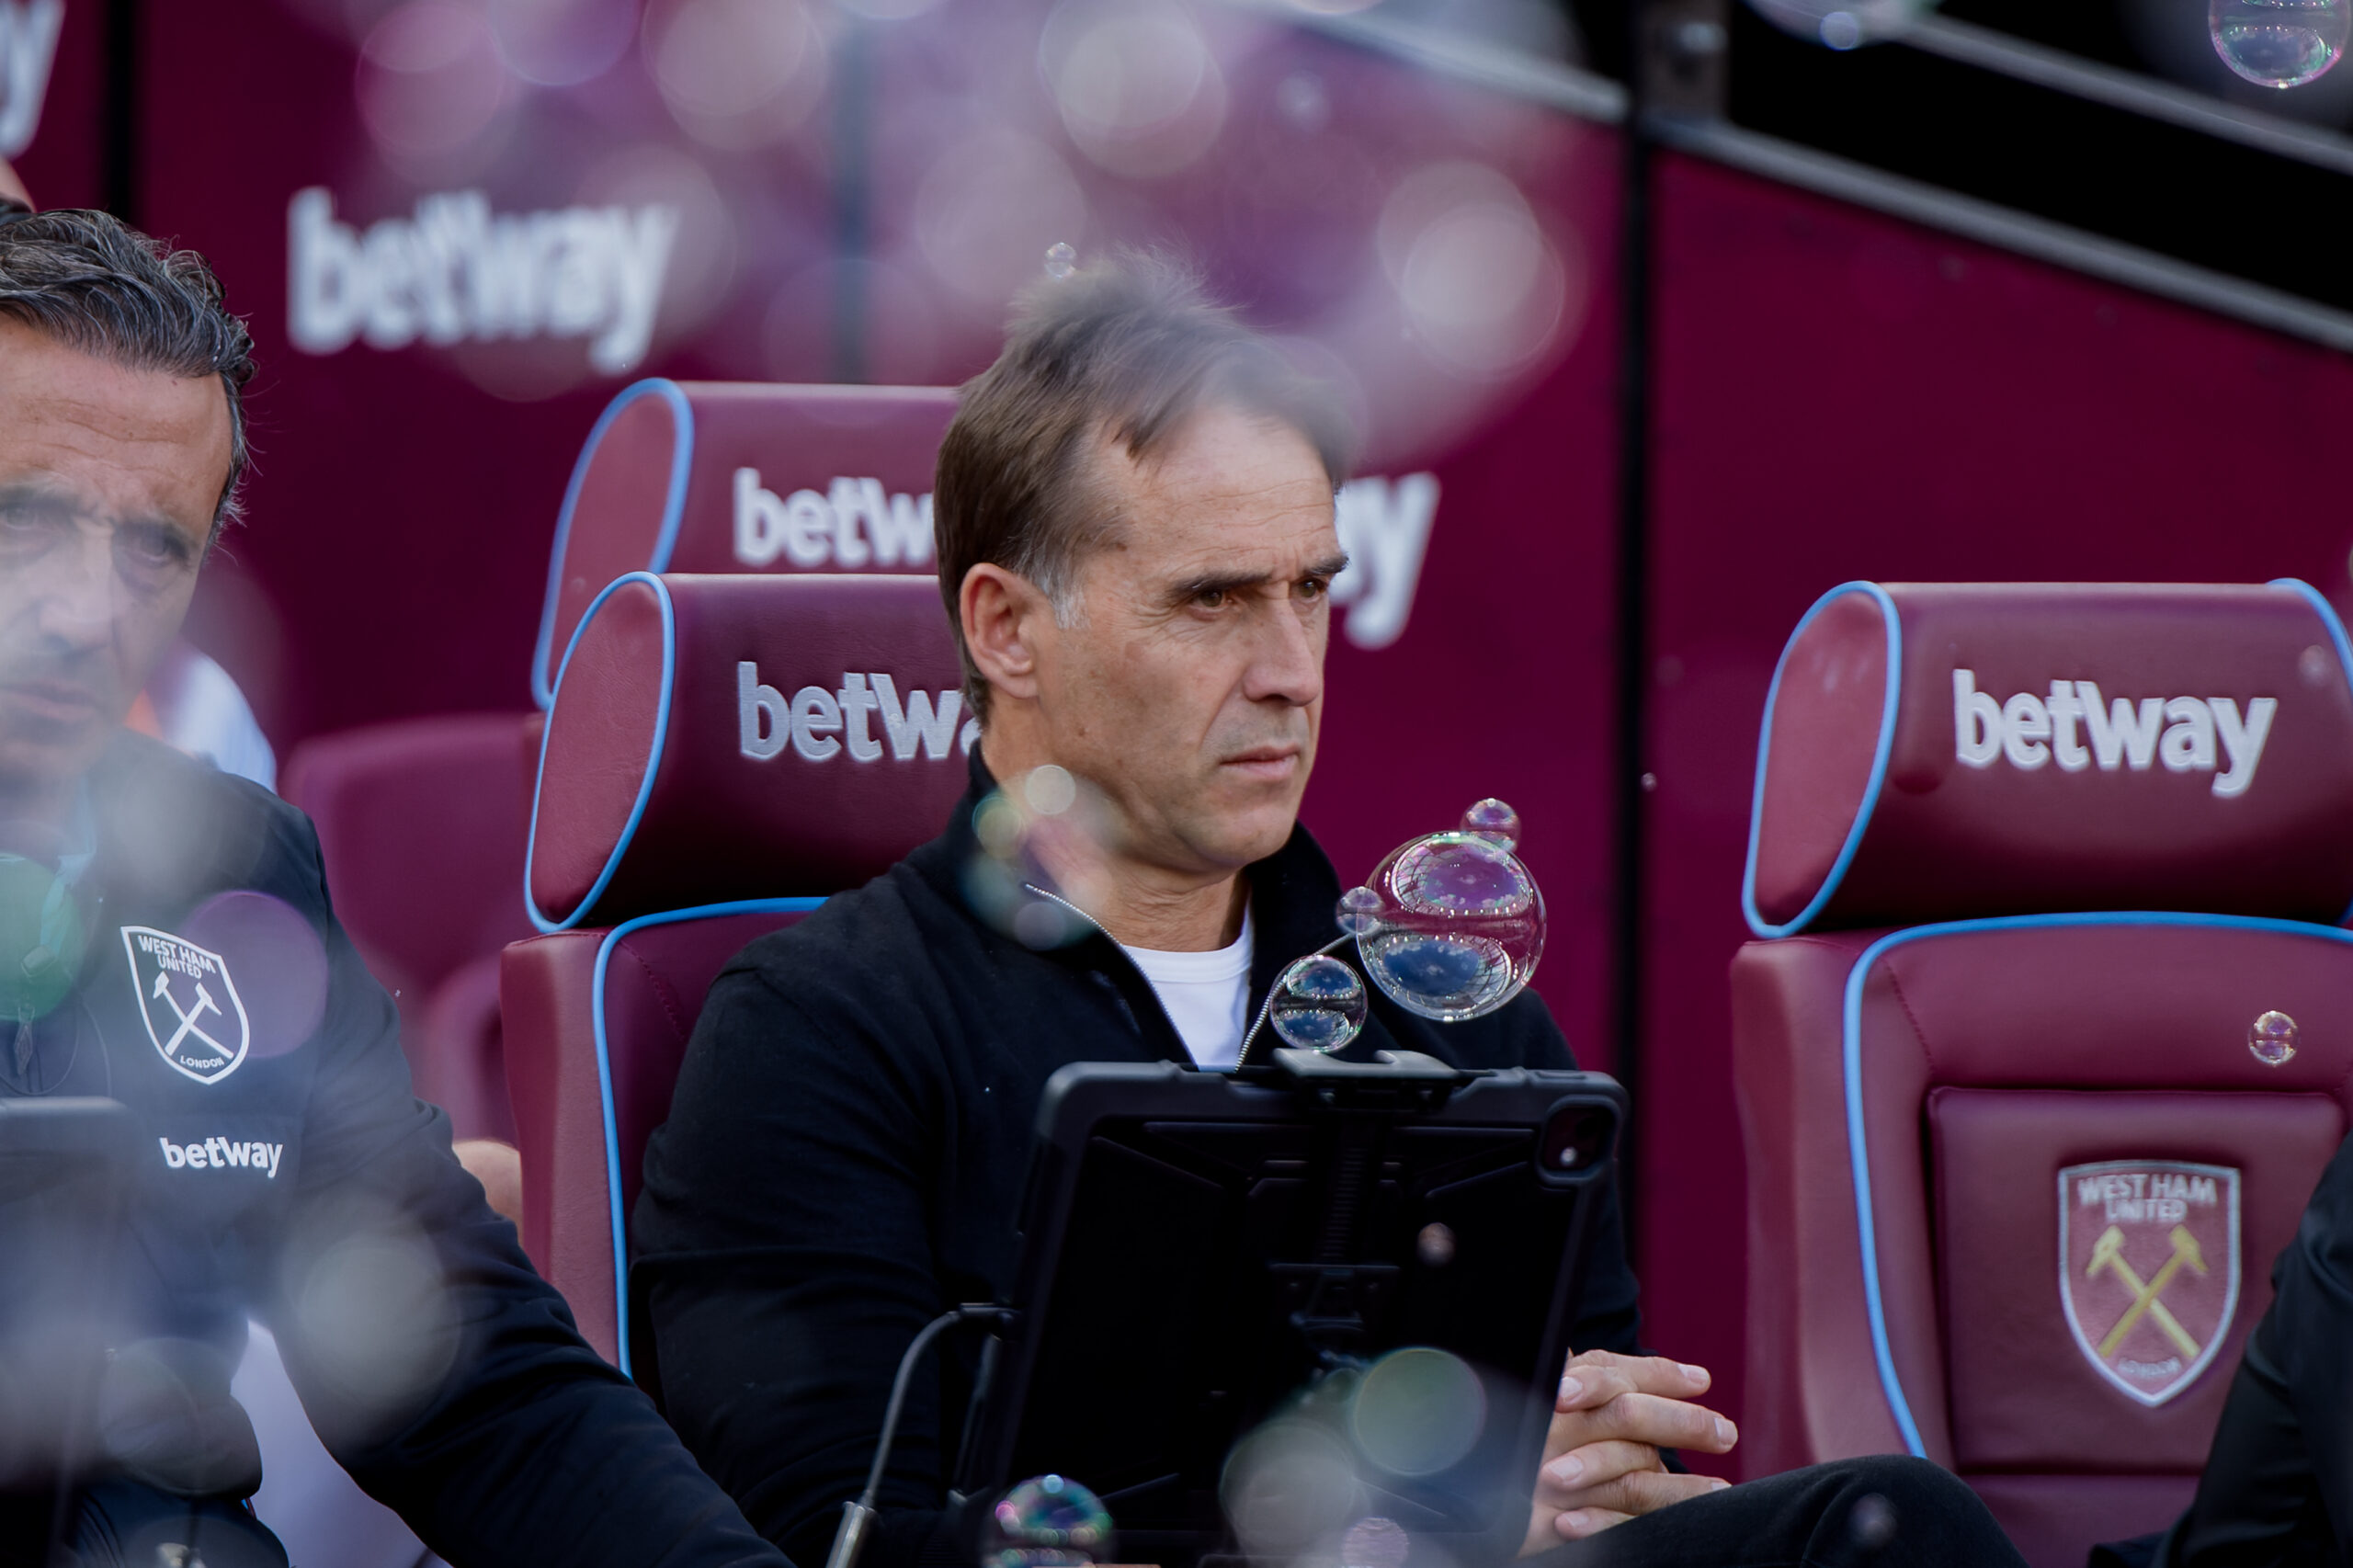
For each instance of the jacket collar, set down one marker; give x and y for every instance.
(1293, 895)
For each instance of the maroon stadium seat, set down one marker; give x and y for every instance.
(700, 784)
(706, 476)
(2051, 1031)
(420, 823)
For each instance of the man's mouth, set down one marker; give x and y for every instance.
(1266, 765)
(51, 701)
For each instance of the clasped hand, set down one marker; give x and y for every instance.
(1601, 1457)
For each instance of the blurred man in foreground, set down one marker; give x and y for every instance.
(166, 942)
(1134, 518)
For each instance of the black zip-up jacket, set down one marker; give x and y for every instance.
(287, 1171)
(846, 1152)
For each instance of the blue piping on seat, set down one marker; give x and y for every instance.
(652, 759)
(665, 538)
(1851, 1060)
(605, 1073)
(2328, 617)
(1888, 704)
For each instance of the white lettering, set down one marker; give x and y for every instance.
(28, 30)
(2122, 732)
(857, 703)
(853, 524)
(2066, 708)
(453, 272)
(2241, 740)
(816, 716)
(2026, 724)
(174, 1156)
(934, 727)
(276, 1151)
(1976, 721)
(238, 1153)
(762, 723)
(1385, 526)
(2181, 733)
(2189, 743)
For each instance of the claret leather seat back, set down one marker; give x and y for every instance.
(722, 754)
(2022, 1148)
(706, 476)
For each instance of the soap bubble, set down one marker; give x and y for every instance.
(1318, 1005)
(1495, 822)
(1288, 1485)
(1451, 926)
(1061, 260)
(1040, 859)
(1843, 24)
(1418, 1411)
(2272, 1039)
(2279, 43)
(1375, 1542)
(1047, 1521)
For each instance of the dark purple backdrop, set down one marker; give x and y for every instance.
(1838, 395)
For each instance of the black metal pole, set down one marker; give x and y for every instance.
(121, 119)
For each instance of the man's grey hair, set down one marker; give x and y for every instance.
(86, 280)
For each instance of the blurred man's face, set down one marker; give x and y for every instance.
(109, 478)
(1191, 685)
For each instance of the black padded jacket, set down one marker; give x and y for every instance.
(844, 1155)
(286, 1171)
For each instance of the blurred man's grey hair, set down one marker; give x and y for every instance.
(1124, 350)
(84, 280)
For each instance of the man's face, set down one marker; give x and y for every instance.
(109, 478)
(1191, 686)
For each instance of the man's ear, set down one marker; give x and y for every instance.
(1003, 614)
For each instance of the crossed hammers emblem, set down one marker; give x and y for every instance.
(2108, 1253)
(188, 1016)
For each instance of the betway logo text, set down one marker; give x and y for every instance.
(1384, 525)
(853, 524)
(820, 725)
(28, 30)
(221, 1154)
(455, 272)
(2077, 727)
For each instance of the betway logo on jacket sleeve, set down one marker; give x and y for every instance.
(2077, 726)
(28, 30)
(855, 524)
(455, 272)
(820, 725)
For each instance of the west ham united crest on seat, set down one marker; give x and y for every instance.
(2149, 1268)
(189, 1002)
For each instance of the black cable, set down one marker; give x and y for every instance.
(851, 1536)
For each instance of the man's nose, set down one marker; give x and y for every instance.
(1287, 665)
(76, 604)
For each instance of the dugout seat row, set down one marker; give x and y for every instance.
(2048, 1030)
(423, 822)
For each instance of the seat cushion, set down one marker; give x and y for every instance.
(2045, 1372)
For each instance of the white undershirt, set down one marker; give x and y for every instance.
(1206, 995)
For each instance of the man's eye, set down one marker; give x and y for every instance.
(1211, 599)
(1314, 587)
(150, 552)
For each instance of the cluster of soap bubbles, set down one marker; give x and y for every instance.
(1047, 1521)
(1449, 926)
(1040, 839)
(2272, 1039)
(40, 952)
(2279, 43)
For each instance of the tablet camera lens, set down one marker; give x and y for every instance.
(1047, 1521)
(1318, 1005)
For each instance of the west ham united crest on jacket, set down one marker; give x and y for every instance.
(189, 1002)
(2149, 1268)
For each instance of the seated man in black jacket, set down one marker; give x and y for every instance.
(166, 942)
(1134, 518)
